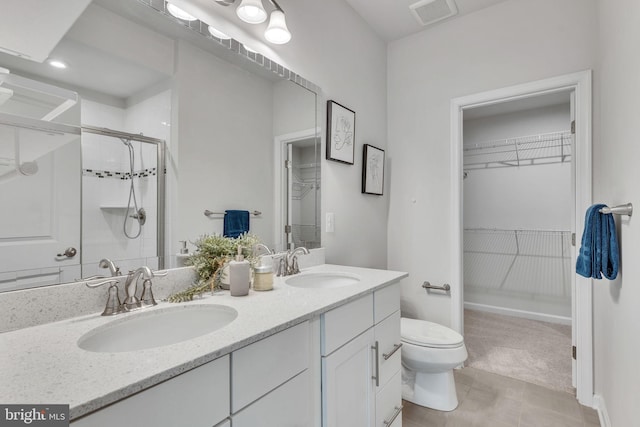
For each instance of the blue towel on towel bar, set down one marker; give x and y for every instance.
(599, 248)
(235, 223)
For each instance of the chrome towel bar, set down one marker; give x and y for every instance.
(207, 212)
(618, 210)
(444, 287)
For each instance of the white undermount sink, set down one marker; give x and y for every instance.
(157, 328)
(322, 280)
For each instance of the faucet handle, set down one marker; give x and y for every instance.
(96, 285)
(114, 306)
(146, 299)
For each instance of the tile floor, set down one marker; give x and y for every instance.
(491, 400)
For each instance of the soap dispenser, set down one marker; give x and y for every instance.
(263, 274)
(239, 275)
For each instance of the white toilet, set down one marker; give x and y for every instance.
(430, 352)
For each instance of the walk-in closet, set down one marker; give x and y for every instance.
(518, 207)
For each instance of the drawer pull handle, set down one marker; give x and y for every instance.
(396, 347)
(395, 415)
(376, 377)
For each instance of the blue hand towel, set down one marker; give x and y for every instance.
(599, 247)
(235, 223)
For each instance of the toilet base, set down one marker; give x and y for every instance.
(431, 390)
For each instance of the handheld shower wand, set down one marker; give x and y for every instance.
(139, 214)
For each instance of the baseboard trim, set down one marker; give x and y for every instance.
(518, 313)
(601, 407)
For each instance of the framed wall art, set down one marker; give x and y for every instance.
(341, 133)
(372, 170)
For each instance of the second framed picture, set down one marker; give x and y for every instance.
(341, 133)
(372, 170)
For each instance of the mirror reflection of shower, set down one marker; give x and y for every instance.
(139, 214)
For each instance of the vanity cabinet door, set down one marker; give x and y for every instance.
(348, 397)
(197, 398)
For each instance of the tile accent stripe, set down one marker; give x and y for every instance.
(118, 175)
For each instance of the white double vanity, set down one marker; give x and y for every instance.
(296, 356)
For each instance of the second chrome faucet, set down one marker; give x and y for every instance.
(131, 302)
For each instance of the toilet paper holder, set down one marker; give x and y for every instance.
(444, 287)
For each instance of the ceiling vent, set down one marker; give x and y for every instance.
(428, 12)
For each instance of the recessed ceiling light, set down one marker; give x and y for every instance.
(56, 63)
(217, 33)
(179, 13)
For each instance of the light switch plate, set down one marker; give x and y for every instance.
(330, 222)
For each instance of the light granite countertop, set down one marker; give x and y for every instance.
(43, 364)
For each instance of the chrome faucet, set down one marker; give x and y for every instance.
(107, 263)
(131, 302)
(288, 263)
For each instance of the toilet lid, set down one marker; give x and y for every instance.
(429, 334)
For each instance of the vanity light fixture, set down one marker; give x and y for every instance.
(251, 12)
(217, 33)
(277, 31)
(56, 63)
(179, 13)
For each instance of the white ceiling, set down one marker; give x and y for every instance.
(392, 19)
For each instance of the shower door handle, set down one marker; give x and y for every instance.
(68, 253)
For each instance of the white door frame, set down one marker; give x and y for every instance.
(280, 193)
(580, 83)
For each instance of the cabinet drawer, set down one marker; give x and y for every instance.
(262, 366)
(387, 334)
(287, 406)
(389, 403)
(343, 323)
(199, 397)
(387, 300)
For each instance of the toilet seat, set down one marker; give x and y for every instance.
(428, 334)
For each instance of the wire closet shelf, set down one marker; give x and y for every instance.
(546, 148)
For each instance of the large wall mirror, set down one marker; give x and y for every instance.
(84, 150)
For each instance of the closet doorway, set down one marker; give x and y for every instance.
(527, 186)
(518, 200)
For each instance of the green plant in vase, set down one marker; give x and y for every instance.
(209, 259)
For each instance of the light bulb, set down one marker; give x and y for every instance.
(251, 12)
(277, 31)
(179, 13)
(217, 33)
(56, 63)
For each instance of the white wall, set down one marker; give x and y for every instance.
(334, 48)
(223, 153)
(512, 42)
(616, 177)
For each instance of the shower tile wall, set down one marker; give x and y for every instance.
(106, 183)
